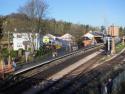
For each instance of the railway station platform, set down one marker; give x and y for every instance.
(44, 60)
(49, 58)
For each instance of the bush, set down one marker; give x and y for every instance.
(13, 54)
(122, 89)
(42, 51)
(5, 52)
(20, 52)
(80, 43)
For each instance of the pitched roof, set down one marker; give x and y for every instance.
(97, 33)
(88, 35)
(51, 36)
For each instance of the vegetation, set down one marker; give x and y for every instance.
(42, 51)
(35, 10)
(13, 54)
(5, 53)
(119, 47)
(1, 27)
(122, 31)
(80, 43)
(122, 88)
(22, 23)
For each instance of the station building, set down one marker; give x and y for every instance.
(25, 41)
(92, 37)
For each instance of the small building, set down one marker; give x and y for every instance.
(92, 37)
(88, 38)
(98, 36)
(25, 41)
(113, 31)
(66, 41)
(69, 41)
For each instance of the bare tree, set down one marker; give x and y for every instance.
(35, 10)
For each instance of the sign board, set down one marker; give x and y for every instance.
(46, 39)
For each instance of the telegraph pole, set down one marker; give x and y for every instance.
(113, 51)
(9, 57)
(109, 44)
(123, 40)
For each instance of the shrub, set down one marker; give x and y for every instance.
(13, 54)
(42, 51)
(5, 52)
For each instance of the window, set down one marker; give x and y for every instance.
(19, 36)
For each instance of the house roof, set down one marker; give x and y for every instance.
(97, 33)
(92, 34)
(51, 36)
(67, 36)
(88, 35)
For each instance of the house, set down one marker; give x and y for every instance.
(68, 38)
(98, 36)
(92, 37)
(88, 39)
(25, 41)
(68, 41)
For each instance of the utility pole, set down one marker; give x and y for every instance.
(113, 51)
(123, 40)
(2, 67)
(109, 50)
(1, 58)
(9, 58)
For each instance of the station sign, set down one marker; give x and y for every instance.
(46, 39)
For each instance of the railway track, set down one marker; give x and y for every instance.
(104, 71)
(96, 73)
(25, 82)
(83, 80)
(69, 81)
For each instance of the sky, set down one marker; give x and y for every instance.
(93, 12)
